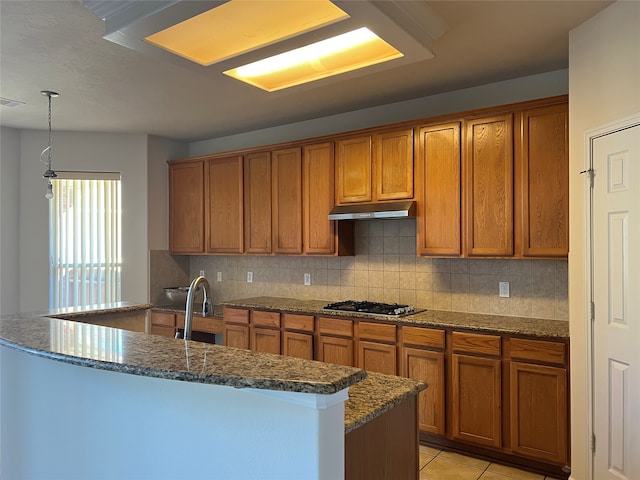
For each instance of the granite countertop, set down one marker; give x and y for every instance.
(156, 356)
(197, 310)
(533, 327)
(375, 395)
(101, 309)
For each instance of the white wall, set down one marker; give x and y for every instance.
(500, 93)
(81, 151)
(9, 222)
(604, 85)
(159, 151)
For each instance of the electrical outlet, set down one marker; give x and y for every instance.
(219, 276)
(307, 279)
(249, 277)
(202, 273)
(504, 289)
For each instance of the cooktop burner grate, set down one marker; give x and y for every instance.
(373, 308)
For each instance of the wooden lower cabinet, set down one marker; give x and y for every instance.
(336, 350)
(428, 366)
(539, 412)
(296, 344)
(476, 404)
(236, 336)
(265, 340)
(163, 323)
(236, 327)
(377, 357)
(335, 341)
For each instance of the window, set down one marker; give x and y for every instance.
(85, 239)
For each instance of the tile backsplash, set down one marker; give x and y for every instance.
(385, 268)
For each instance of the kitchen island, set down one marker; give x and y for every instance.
(87, 401)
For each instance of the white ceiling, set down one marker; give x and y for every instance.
(105, 87)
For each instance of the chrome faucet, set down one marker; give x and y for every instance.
(206, 304)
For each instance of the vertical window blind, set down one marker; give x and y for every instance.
(85, 239)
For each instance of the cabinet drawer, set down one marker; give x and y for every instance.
(265, 319)
(538, 350)
(235, 315)
(333, 326)
(377, 331)
(476, 343)
(291, 321)
(423, 337)
(160, 318)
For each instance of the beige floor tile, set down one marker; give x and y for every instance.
(429, 450)
(511, 472)
(469, 461)
(424, 459)
(494, 476)
(442, 469)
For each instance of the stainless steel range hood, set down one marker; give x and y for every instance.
(374, 210)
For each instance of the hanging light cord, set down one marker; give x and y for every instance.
(49, 173)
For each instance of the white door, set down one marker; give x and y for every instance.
(616, 297)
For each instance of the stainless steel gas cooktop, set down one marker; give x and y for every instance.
(372, 308)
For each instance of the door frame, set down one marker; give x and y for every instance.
(590, 137)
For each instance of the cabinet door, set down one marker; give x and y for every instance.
(186, 207)
(543, 171)
(488, 189)
(265, 340)
(295, 344)
(438, 182)
(335, 350)
(539, 421)
(428, 367)
(354, 180)
(319, 198)
(226, 205)
(377, 357)
(257, 202)
(393, 165)
(476, 403)
(287, 201)
(236, 336)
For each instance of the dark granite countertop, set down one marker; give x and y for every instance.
(156, 356)
(197, 310)
(376, 395)
(93, 310)
(532, 327)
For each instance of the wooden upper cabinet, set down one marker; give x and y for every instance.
(393, 165)
(354, 172)
(257, 202)
(438, 190)
(375, 168)
(488, 189)
(319, 198)
(186, 207)
(287, 200)
(225, 209)
(542, 175)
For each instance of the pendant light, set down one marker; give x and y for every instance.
(49, 173)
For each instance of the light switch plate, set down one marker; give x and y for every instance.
(504, 289)
(307, 279)
(219, 276)
(249, 277)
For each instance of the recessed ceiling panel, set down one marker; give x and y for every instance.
(240, 26)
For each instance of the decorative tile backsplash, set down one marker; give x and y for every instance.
(385, 268)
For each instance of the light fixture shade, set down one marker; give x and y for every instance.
(343, 53)
(238, 26)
